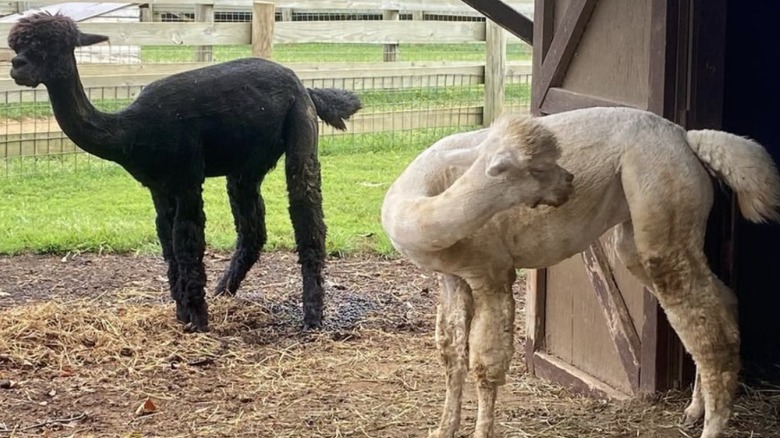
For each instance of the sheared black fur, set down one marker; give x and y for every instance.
(234, 119)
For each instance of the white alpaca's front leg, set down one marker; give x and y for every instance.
(453, 319)
(491, 348)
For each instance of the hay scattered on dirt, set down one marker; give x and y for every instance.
(117, 364)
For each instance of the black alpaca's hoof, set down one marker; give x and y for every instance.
(199, 319)
(195, 318)
(312, 324)
(218, 292)
(182, 314)
(223, 289)
(192, 328)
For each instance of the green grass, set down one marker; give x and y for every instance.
(342, 52)
(104, 209)
(79, 203)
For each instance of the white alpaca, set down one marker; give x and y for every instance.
(464, 208)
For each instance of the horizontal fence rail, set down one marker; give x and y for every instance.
(216, 34)
(355, 77)
(404, 100)
(405, 5)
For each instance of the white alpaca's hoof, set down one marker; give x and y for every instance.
(692, 414)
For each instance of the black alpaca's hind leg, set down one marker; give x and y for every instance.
(248, 209)
(189, 244)
(165, 206)
(305, 193)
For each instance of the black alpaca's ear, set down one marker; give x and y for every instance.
(88, 39)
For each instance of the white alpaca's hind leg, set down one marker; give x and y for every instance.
(491, 346)
(691, 297)
(695, 410)
(626, 249)
(628, 254)
(453, 319)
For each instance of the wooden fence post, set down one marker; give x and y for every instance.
(495, 71)
(263, 14)
(204, 13)
(391, 50)
(145, 11)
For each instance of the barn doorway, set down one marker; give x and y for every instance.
(751, 96)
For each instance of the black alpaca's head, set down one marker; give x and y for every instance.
(44, 46)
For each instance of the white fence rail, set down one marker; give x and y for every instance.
(23, 137)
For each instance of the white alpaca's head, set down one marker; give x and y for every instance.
(526, 153)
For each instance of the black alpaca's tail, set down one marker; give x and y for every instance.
(335, 105)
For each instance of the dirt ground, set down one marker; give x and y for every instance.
(89, 347)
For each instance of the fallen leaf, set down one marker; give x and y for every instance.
(146, 408)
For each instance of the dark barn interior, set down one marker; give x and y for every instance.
(751, 98)
(709, 64)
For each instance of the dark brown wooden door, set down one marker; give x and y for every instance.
(591, 323)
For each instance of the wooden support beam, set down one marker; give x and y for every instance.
(506, 17)
(263, 18)
(560, 100)
(204, 13)
(535, 302)
(619, 322)
(551, 368)
(495, 71)
(391, 50)
(562, 47)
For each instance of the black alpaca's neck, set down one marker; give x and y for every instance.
(96, 132)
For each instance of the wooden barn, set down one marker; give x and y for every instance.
(702, 64)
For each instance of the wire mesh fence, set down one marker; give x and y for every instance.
(330, 52)
(401, 107)
(517, 92)
(398, 111)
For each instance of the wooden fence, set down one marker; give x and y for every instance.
(262, 33)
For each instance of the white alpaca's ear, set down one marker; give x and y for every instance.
(500, 163)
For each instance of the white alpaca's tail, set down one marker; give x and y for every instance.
(746, 167)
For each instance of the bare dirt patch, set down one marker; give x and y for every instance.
(86, 341)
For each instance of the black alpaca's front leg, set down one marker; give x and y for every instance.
(248, 209)
(189, 244)
(165, 206)
(304, 187)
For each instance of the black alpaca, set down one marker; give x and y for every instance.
(234, 119)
